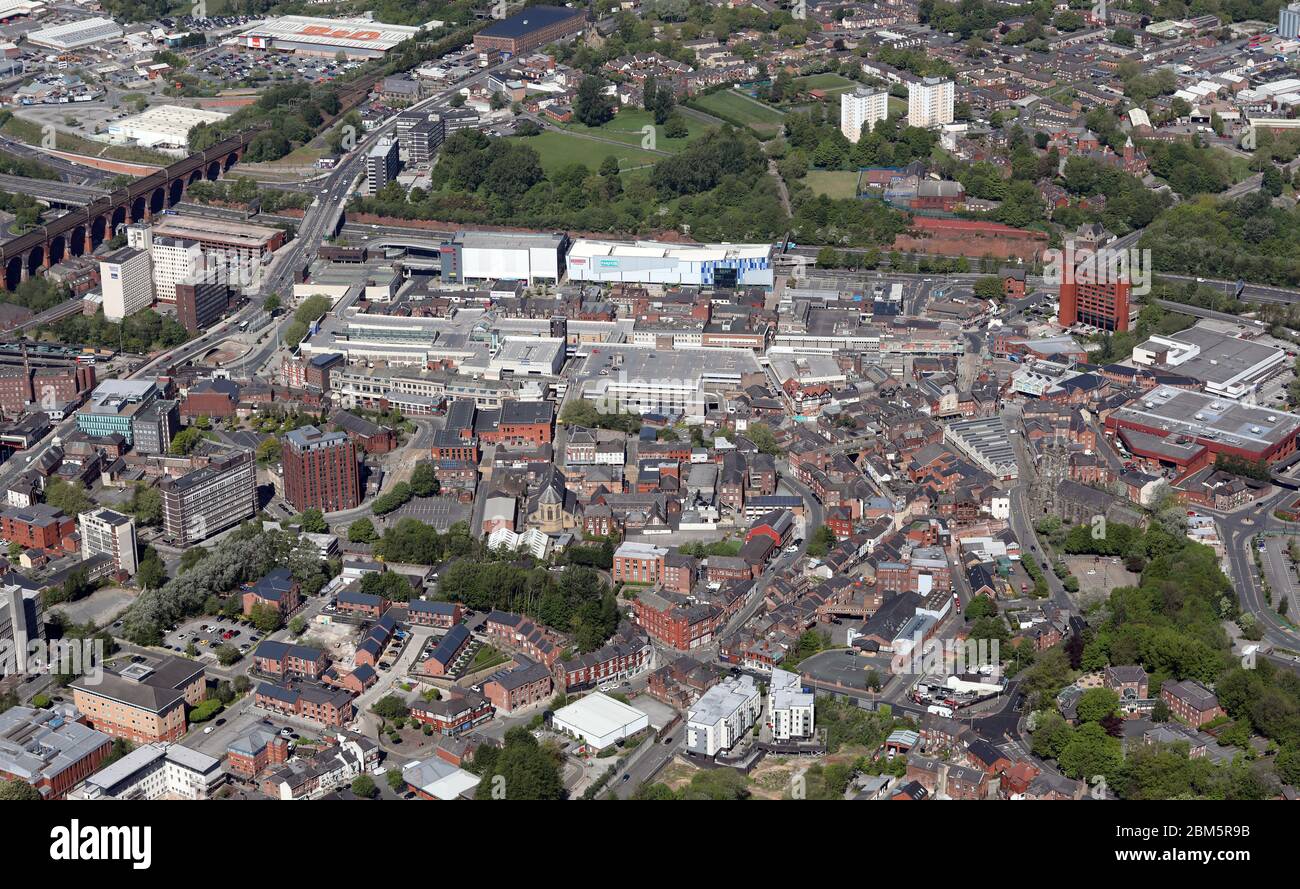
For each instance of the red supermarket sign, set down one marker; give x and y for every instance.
(338, 33)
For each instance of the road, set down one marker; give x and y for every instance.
(646, 761)
(70, 172)
(1021, 517)
(60, 194)
(1237, 531)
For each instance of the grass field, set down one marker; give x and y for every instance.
(832, 183)
(832, 83)
(1238, 167)
(897, 106)
(627, 127)
(763, 119)
(558, 150)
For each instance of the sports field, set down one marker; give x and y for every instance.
(729, 104)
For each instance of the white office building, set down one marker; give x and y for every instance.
(722, 715)
(126, 278)
(105, 531)
(859, 107)
(930, 102)
(381, 165)
(175, 261)
(155, 771)
(789, 707)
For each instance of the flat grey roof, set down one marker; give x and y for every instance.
(722, 700)
(509, 240)
(1205, 417)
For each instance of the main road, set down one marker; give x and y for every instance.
(1237, 531)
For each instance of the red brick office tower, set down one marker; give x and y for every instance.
(320, 470)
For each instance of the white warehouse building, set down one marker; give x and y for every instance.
(76, 34)
(599, 720)
(722, 715)
(651, 262)
(504, 256)
(162, 126)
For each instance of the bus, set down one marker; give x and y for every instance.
(243, 326)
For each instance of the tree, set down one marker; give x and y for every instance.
(272, 304)
(268, 451)
(297, 625)
(1096, 704)
(313, 522)
(1090, 752)
(266, 618)
(1272, 181)
(821, 541)
(989, 287)
(665, 101)
(980, 606)
(18, 790)
(675, 127)
(146, 505)
(69, 497)
(151, 573)
(76, 586)
(227, 654)
(763, 438)
(362, 531)
(364, 786)
(390, 707)
(395, 780)
(424, 482)
(592, 107)
(387, 584)
(186, 440)
(523, 769)
(191, 557)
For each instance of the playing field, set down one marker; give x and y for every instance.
(628, 126)
(832, 183)
(761, 118)
(558, 150)
(832, 84)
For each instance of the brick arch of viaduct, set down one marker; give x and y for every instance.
(83, 229)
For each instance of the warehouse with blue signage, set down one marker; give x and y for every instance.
(652, 262)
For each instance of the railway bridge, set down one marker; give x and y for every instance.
(83, 229)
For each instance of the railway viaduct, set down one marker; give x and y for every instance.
(83, 229)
